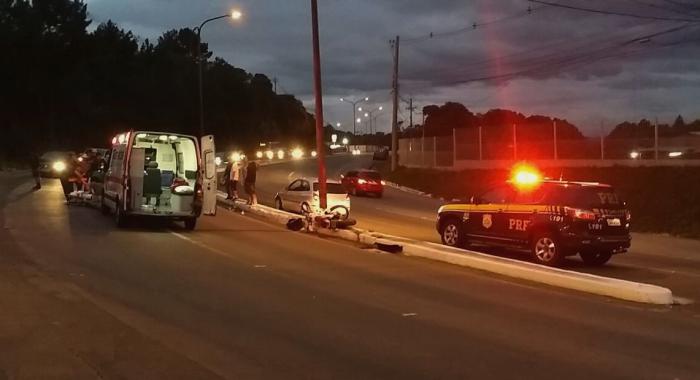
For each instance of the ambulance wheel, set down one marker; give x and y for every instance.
(103, 207)
(190, 223)
(119, 217)
(451, 233)
(546, 249)
(595, 258)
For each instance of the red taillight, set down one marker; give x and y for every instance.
(361, 181)
(581, 214)
(628, 216)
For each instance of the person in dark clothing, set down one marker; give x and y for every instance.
(249, 185)
(67, 175)
(34, 166)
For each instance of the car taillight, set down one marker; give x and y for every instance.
(577, 213)
(382, 182)
(361, 181)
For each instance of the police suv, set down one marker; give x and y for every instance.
(550, 219)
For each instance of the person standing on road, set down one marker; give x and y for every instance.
(34, 166)
(249, 185)
(67, 175)
(234, 175)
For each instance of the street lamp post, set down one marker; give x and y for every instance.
(354, 104)
(234, 15)
(368, 114)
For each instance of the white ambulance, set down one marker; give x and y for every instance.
(160, 175)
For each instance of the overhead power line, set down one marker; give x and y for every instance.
(613, 13)
(656, 6)
(475, 25)
(579, 58)
(539, 53)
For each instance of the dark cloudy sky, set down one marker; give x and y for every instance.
(586, 67)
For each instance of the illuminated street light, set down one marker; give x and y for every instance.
(354, 104)
(369, 114)
(235, 15)
(345, 141)
(337, 125)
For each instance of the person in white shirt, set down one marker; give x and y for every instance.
(233, 176)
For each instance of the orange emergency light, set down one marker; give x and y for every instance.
(524, 176)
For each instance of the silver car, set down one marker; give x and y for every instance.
(301, 196)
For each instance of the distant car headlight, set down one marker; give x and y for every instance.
(297, 153)
(313, 153)
(59, 166)
(280, 154)
(259, 154)
(634, 155)
(270, 154)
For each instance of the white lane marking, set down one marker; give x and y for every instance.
(409, 314)
(392, 211)
(202, 245)
(259, 266)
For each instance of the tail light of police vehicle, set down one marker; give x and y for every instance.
(581, 214)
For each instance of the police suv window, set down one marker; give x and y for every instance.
(501, 194)
(530, 196)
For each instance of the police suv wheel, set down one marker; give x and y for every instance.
(595, 258)
(451, 233)
(546, 249)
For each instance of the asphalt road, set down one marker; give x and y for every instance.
(240, 298)
(656, 259)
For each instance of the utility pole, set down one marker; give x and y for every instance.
(274, 83)
(410, 109)
(320, 150)
(394, 115)
(515, 144)
(602, 141)
(554, 127)
(656, 138)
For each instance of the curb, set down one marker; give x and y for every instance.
(583, 282)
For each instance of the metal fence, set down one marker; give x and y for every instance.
(467, 145)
